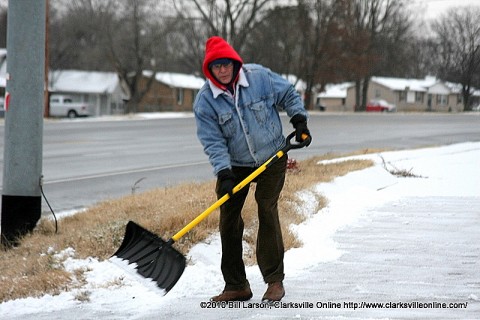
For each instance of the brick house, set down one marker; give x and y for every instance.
(170, 92)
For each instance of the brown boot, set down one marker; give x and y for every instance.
(275, 292)
(234, 295)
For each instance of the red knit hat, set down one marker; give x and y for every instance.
(217, 48)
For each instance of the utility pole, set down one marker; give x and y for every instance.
(22, 170)
(46, 95)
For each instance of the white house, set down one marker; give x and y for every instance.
(102, 90)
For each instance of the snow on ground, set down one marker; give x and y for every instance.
(409, 243)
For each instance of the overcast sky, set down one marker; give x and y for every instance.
(435, 8)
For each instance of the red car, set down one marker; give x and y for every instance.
(380, 106)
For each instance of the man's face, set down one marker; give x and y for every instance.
(223, 72)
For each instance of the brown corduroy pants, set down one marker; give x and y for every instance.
(270, 250)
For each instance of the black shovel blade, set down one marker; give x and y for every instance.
(153, 257)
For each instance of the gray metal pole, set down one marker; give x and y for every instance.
(22, 170)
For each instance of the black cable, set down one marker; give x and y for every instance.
(46, 200)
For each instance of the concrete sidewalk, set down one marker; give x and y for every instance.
(419, 251)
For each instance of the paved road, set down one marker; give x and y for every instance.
(89, 161)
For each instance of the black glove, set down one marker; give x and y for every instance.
(226, 182)
(299, 122)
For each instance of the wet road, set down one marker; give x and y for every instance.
(86, 161)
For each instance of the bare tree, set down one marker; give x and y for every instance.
(420, 58)
(234, 20)
(75, 34)
(458, 34)
(185, 43)
(230, 19)
(3, 27)
(371, 24)
(318, 26)
(274, 42)
(129, 47)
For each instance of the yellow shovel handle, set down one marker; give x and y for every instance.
(241, 185)
(224, 199)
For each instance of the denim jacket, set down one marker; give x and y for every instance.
(245, 129)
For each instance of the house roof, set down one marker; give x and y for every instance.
(177, 80)
(396, 84)
(422, 85)
(338, 91)
(180, 80)
(83, 81)
(400, 84)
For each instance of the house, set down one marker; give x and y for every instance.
(333, 98)
(107, 94)
(102, 90)
(429, 94)
(170, 91)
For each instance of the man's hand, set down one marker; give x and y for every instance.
(299, 122)
(226, 182)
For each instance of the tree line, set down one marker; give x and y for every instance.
(319, 41)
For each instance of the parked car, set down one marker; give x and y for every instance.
(64, 106)
(476, 108)
(379, 105)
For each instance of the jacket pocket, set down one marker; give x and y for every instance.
(259, 110)
(227, 124)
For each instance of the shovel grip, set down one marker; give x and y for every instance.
(306, 141)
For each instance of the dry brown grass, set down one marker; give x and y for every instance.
(34, 268)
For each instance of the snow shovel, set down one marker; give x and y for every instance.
(156, 259)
